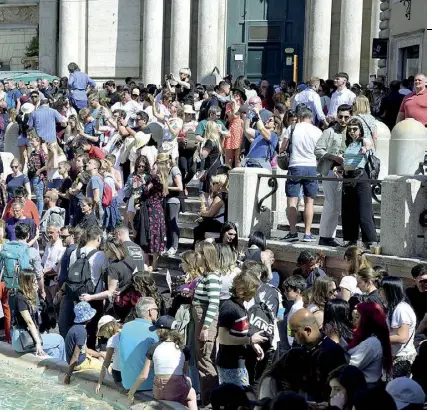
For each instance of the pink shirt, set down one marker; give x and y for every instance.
(414, 106)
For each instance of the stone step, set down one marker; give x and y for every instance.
(192, 205)
(282, 230)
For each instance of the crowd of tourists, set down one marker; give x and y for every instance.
(94, 198)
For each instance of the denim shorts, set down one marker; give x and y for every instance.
(310, 187)
(22, 141)
(238, 376)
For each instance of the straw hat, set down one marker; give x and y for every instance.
(27, 108)
(162, 157)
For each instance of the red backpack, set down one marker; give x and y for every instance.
(107, 195)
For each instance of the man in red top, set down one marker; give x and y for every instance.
(29, 208)
(414, 105)
(93, 151)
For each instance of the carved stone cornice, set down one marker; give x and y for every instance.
(12, 14)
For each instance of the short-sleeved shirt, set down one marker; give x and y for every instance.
(122, 272)
(77, 335)
(349, 283)
(201, 128)
(11, 223)
(114, 343)
(175, 171)
(22, 304)
(186, 96)
(261, 148)
(414, 106)
(403, 315)
(136, 253)
(95, 183)
(167, 358)
(232, 316)
(90, 128)
(12, 182)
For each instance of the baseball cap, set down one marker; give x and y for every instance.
(136, 92)
(405, 391)
(265, 115)
(244, 108)
(104, 320)
(164, 322)
(302, 86)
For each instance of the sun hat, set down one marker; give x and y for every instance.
(136, 92)
(241, 91)
(188, 109)
(405, 391)
(104, 320)
(141, 139)
(27, 108)
(162, 157)
(165, 322)
(83, 312)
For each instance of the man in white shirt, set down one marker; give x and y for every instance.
(302, 163)
(341, 96)
(312, 100)
(51, 260)
(131, 107)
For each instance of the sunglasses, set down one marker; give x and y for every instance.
(64, 237)
(352, 129)
(14, 167)
(343, 117)
(34, 96)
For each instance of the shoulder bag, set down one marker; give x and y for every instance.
(283, 158)
(373, 164)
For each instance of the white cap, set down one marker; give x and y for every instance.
(104, 320)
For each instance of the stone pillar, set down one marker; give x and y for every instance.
(72, 34)
(407, 147)
(48, 18)
(350, 38)
(383, 148)
(222, 29)
(375, 29)
(403, 199)
(208, 32)
(153, 42)
(245, 193)
(319, 28)
(180, 35)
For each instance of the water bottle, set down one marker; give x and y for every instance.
(251, 113)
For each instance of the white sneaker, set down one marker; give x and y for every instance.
(171, 252)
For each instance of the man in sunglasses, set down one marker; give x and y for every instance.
(329, 150)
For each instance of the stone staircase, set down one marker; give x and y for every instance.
(192, 208)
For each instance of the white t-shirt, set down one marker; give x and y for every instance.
(294, 308)
(114, 342)
(403, 315)
(226, 283)
(131, 108)
(304, 140)
(96, 264)
(349, 282)
(168, 359)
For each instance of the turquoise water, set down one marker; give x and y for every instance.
(26, 389)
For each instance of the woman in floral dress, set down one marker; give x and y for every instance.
(149, 221)
(232, 142)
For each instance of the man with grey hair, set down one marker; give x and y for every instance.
(414, 105)
(54, 251)
(304, 137)
(135, 340)
(121, 235)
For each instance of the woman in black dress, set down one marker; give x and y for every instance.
(211, 153)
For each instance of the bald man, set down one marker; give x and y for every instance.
(326, 355)
(414, 105)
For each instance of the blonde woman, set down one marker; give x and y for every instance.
(361, 111)
(55, 156)
(210, 153)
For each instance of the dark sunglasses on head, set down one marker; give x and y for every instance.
(343, 117)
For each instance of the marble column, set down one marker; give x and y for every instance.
(48, 18)
(350, 39)
(375, 29)
(306, 72)
(208, 31)
(72, 35)
(319, 15)
(222, 65)
(180, 35)
(152, 42)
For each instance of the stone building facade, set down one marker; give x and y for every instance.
(146, 39)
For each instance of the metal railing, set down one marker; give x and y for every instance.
(273, 184)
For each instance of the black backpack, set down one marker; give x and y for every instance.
(79, 279)
(261, 318)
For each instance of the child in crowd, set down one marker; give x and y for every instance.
(109, 328)
(89, 123)
(170, 359)
(78, 356)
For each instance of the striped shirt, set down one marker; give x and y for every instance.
(44, 121)
(208, 292)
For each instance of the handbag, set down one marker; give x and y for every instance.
(203, 175)
(373, 164)
(283, 158)
(26, 339)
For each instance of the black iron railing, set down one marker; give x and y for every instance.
(273, 184)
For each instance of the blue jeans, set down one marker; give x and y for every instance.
(38, 189)
(238, 376)
(53, 345)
